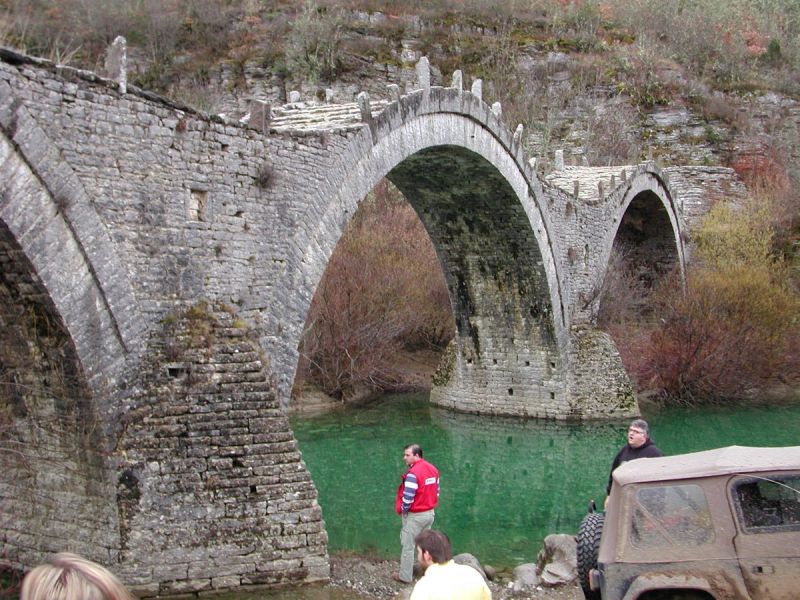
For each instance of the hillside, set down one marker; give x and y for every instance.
(610, 83)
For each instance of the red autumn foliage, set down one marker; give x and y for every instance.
(762, 168)
(734, 333)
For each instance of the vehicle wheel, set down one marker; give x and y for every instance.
(588, 546)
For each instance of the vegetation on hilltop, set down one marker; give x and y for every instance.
(737, 43)
(734, 334)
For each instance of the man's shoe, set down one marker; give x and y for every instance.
(398, 580)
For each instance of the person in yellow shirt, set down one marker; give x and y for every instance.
(444, 579)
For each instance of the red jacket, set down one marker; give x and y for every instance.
(427, 494)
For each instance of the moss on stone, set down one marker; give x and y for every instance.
(444, 372)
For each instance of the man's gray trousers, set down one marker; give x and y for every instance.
(413, 524)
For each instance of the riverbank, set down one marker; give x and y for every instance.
(413, 369)
(371, 578)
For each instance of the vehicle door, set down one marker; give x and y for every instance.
(767, 511)
(676, 535)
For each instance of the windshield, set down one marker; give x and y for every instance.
(670, 515)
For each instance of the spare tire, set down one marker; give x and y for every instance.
(588, 547)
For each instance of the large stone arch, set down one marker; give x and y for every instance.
(60, 349)
(70, 298)
(48, 212)
(54, 480)
(515, 367)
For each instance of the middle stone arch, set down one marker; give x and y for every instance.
(483, 210)
(505, 358)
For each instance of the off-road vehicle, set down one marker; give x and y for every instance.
(722, 524)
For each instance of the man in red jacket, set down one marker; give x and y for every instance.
(416, 498)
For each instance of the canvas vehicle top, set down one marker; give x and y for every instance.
(722, 523)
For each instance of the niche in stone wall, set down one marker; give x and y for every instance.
(197, 205)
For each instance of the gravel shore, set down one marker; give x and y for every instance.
(372, 578)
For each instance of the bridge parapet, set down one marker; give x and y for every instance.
(592, 185)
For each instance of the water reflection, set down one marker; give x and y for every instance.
(506, 483)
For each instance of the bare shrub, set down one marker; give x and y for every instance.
(729, 337)
(623, 297)
(719, 107)
(637, 69)
(312, 45)
(576, 24)
(198, 93)
(611, 135)
(382, 291)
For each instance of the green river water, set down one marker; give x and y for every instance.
(505, 483)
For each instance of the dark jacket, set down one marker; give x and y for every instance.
(646, 450)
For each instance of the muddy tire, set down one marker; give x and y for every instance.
(588, 547)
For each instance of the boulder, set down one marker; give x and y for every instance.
(526, 579)
(557, 560)
(468, 559)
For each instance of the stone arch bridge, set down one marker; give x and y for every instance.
(158, 267)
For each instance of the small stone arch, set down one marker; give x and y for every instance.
(648, 223)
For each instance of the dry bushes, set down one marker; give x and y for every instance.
(612, 137)
(729, 41)
(623, 297)
(382, 292)
(732, 336)
(735, 333)
(312, 46)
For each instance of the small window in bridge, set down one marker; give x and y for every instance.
(177, 371)
(196, 205)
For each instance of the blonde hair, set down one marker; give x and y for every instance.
(70, 577)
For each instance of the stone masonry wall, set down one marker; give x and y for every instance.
(212, 491)
(56, 493)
